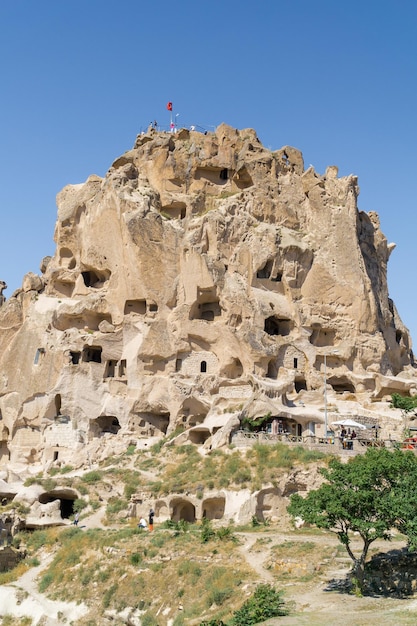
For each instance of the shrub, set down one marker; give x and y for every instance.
(108, 595)
(136, 558)
(79, 505)
(224, 533)
(207, 531)
(149, 620)
(115, 505)
(219, 595)
(266, 602)
(45, 581)
(92, 477)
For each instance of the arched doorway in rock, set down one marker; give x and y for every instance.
(161, 510)
(66, 499)
(182, 509)
(4, 449)
(199, 435)
(106, 424)
(268, 503)
(213, 508)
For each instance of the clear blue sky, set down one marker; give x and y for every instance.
(80, 78)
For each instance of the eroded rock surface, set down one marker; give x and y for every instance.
(204, 277)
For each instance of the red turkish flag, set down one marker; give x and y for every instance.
(169, 106)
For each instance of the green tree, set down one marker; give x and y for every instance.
(370, 495)
(408, 408)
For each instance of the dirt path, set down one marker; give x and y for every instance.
(22, 599)
(314, 602)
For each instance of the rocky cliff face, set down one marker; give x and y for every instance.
(203, 276)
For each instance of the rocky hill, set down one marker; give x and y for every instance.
(204, 279)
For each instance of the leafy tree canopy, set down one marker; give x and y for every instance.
(255, 423)
(370, 495)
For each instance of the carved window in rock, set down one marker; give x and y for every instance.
(207, 306)
(135, 306)
(92, 354)
(224, 174)
(58, 403)
(178, 365)
(110, 369)
(122, 368)
(75, 357)
(340, 385)
(300, 385)
(265, 271)
(278, 326)
(272, 371)
(94, 279)
(40, 353)
(322, 337)
(203, 367)
(107, 424)
(153, 307)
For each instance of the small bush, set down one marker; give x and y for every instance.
(108, 595)
(79, 505)
(219, 595)
(136, 558)
(115, 505)
(207, 531)
(92, 477)
(149, 620)
(225, 533)
(45, 581)
(266, 602)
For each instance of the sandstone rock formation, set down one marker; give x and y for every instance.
(204, 277)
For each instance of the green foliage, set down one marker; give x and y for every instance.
(189, 569)
(207, 531)
(136, 558)
(115, 505)
(92, 477)
(266, 602)
(219, 595)
(108, 595)
(225, 533)
(33, 480)
(79, 505)
(149, 620)
(254, 424)
(37, 539)
(369, 495)
(404, 403)
(131, 450)
(45, 581)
